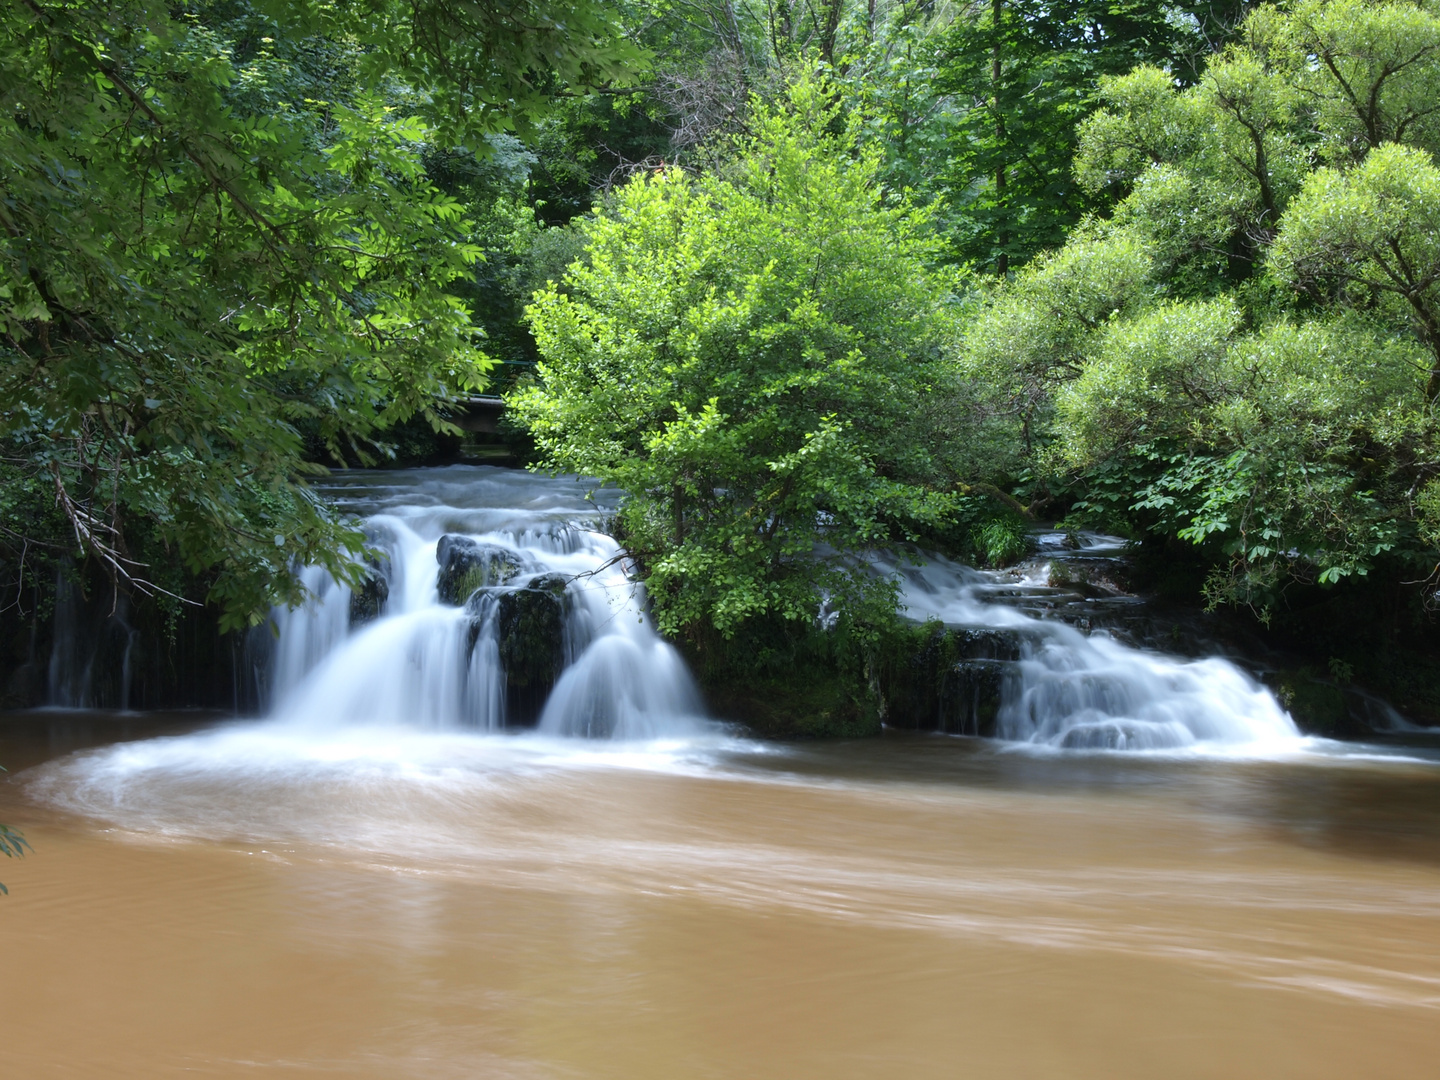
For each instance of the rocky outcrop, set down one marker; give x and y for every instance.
(467, 565)
(971, 696)
(951, 679)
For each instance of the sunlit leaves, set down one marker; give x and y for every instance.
(747, 355)
(1269, 398)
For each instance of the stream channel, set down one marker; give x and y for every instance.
(442, 854)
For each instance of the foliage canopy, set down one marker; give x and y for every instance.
(754, 356)
(217, 236)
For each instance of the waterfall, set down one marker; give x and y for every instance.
(1065, 688)
(92, 656)
(497, 604)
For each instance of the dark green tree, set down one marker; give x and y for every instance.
(1025, 73)
(217, 232)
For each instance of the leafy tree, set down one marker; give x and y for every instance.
(1033, 334)
(1026, 72)
(1370, 237)
(753, 357)
(890, 79)
(217, 231)
(1366, 71)
(1243, 354)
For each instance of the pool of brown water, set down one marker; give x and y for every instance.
(396, 904)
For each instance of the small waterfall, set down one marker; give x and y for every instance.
(92, 657)
(1065, 688)
(307, 634)
(497, 604)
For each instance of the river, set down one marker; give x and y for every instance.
(374, 883)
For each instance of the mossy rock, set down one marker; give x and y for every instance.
(467, 565)
(1317, 707)
(530, 638)
(809, 705)
(972, 694)
(368, 601)
(952, 679)
(531, 628)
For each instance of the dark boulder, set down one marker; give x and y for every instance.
(467, 565)
(368, 601)
(972, 694)
(951, 679)
(529, 627)
(555, 584)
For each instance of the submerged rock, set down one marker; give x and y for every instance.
(467, 565)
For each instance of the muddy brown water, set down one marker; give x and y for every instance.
(393, 904)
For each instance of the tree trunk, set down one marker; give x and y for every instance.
(828, 30)
(1002, 237)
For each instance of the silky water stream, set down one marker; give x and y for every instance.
(410, 868)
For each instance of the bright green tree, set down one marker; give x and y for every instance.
(1244, 354)
(1369, 237)
(753, 356)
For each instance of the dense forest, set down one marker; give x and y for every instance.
(803, 278)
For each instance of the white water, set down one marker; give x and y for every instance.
(425, 664)
(374, 726)
(1082, 691)
(421, 689)
(415, 666)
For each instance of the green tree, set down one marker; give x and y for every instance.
(1243, 355)
(1370, 237)
(216, 232)
(753, 357)
(1026, 73)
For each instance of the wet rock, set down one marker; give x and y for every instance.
(531, 624)
(1087, 581)
(951, 679)
(368, 601)
(551, 583)
(467, 565)
(530, 636)
(1316, 704)
(972, 695)
(986, 643)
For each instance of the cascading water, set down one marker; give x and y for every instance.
(1065, 688)
(497, 604)
(91, 658)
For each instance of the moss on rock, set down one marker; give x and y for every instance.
(467, 565)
